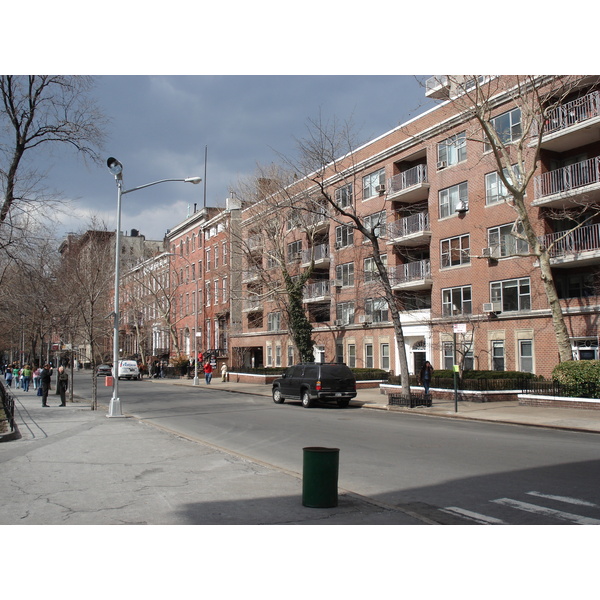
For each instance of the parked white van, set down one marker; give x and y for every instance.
(128, 369)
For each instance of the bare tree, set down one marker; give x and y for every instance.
(328, 161)
(38, 111)
(528, 104)
(276, 263)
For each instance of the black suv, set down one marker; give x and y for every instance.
(316, 381)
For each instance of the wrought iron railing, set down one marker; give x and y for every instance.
(8, 406)
(413, 176)
(586, 238)
(418, 223)
(573, 112)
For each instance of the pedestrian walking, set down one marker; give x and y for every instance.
(17, 376)
(208, 371)
(26, 377)
(36, 378)
(8, 376)
(425, 376)
(45, 379)
(224, 372)
(62, 385)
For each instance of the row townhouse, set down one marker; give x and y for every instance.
(468, 289)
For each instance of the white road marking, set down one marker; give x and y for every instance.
(479, 518)
(563, 499)
(547, 512)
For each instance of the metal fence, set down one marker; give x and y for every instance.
(8, 405)
(586, 389)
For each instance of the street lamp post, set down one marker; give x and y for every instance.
(116, 168)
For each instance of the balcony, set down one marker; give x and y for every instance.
(581, 245)
(410, 185)
(252, 305)
(413, 230)
(251, 274)
(319, 291)
(569, 185)
(320, 254)
(411, 276)
(573, 124)
(437, 87)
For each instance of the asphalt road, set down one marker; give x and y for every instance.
(469, 471)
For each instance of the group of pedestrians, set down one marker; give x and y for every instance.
(41, 377)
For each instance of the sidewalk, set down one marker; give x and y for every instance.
(76, 466)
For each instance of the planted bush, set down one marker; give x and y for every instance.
(576, 372)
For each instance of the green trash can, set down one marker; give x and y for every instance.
(320, 477)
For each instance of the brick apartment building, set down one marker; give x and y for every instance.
(468, 290)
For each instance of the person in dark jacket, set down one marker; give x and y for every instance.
(62, 385)
(425, 375)
(45, 379)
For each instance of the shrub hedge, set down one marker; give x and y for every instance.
(575, 372)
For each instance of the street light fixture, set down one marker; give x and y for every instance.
(116, 168)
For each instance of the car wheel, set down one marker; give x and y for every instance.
(277, 397)
(343, 403)
(306, 399)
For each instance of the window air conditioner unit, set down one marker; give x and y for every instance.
(442, 164)
(365, 319)
(490, 252)
(492, 307)
(380, 189)
(338, 322)
(338, 283)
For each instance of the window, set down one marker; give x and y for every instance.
(344, 312)
(216, 295)
(372, 182)
(351, 356)
(294, 250)
(290, 356)
(502, 242)
(224, 253)
(376, 223)
(507, 126)
(269, 355)
(498, 355)
(343, 196)
(385, 357)
(193, 272)
(370, 271)
(216, 251)
(339, 352)
(274, 321)
(368, 356)
(513, 294)
(278, 355)
(208, 259)
(456, 251)
(344, 236)
(451, 198)
(448, 355)
(452, 150)
(456, 301)
(575, 285)
(377, 309)
(344, 274)
(526, 356)
(224, 291)
(495, 190)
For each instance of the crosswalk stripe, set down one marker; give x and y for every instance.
(565, 499)
(479, 518)
(541, 510)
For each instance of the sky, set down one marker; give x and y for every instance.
(177, 126)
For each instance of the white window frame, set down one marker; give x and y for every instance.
(498, 292)
(461, 297)
(450, 197)
(344, 273)
(343, 196)
(452, 256)
(452, 150)
(372, 181)
(502, 239)
(514, 131)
